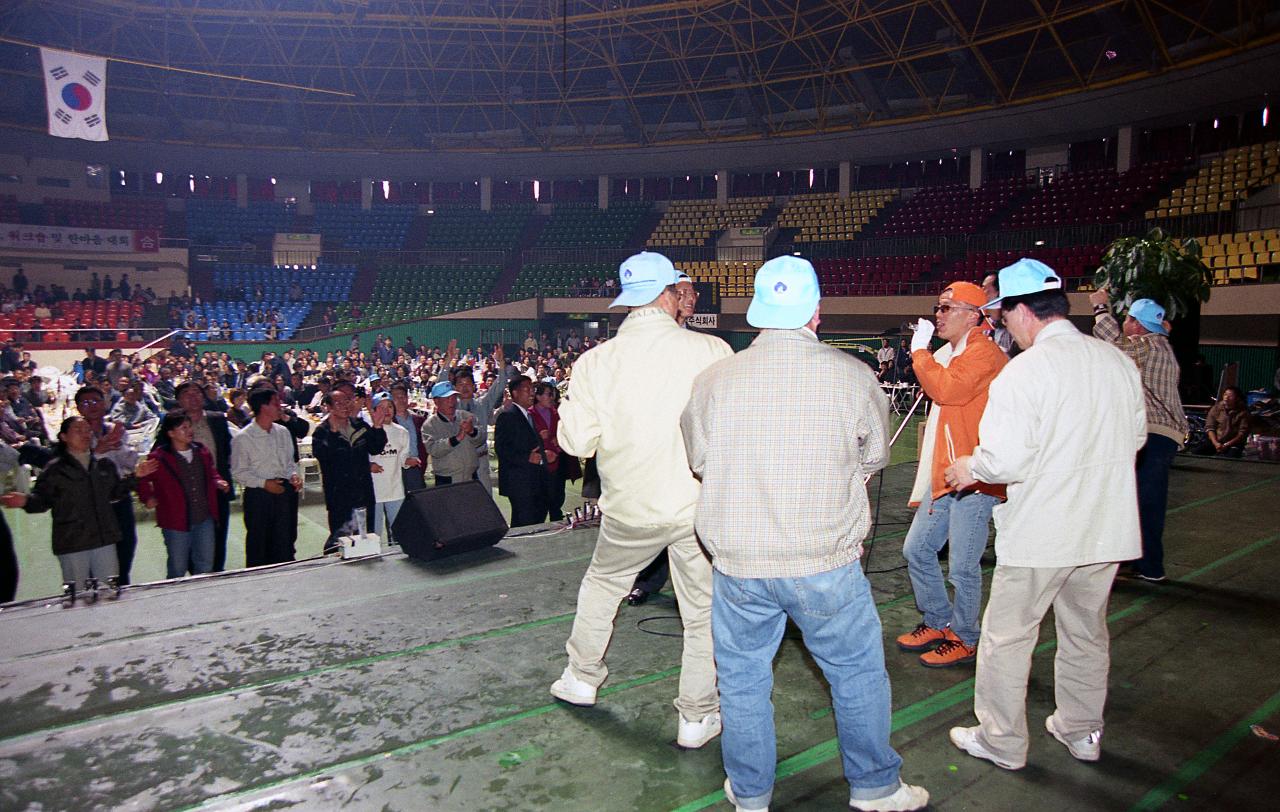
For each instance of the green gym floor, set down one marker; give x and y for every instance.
(392, 684)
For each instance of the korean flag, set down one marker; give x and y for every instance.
(75, 89)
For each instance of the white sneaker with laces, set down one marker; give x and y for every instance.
(966, 738)
(1088, 748)
(906, 798)
(733, 799)
(693, 735)
(573, 690)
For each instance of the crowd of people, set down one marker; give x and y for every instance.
(1064, 439)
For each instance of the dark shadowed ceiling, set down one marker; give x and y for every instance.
(393, 75)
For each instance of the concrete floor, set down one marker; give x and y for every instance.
(389, 684)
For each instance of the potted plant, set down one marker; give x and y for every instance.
(1166, 270)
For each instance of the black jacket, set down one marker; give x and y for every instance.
(81, 502)
(221, 431)
(513, 441)
(345, 465)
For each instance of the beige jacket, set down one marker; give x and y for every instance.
(624, 404)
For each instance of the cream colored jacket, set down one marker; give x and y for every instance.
(624, 404)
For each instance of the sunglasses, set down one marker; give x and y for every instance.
(947, 308)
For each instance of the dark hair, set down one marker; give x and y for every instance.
(543, 386)
(168, 423)
(260, 397)
(459, 372)
(1044, 304)
(1241, 400)
(59, 447)
(82, 392)
(400, 386)
(180, 388)
(343, 382)
(517, 382)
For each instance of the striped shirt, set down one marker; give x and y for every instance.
(783, 434)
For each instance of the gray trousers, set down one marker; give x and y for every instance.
(101, 563)
(621, 552)
(1020, 597)
(484, 476)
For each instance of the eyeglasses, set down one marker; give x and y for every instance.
(947, 308)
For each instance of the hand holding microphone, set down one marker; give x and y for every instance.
(922, 336)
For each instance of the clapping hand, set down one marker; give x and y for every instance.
(146, 468)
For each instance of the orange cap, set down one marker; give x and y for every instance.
(967, 292)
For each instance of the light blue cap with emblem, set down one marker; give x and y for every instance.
(786, 294)
(643, 277)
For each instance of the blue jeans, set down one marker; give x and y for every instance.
(963, 521)
(1152, 470)
(384, 515)
(841, 629)
(189, 549)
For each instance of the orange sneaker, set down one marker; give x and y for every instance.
(950, 652)
(920, 638)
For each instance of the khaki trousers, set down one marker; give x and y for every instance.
(1020, 597)
(621, 552)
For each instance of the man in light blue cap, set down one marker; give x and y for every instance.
(783, 512)
(624, 406)
(1145, 339)
(1063, 421)
(451, 437)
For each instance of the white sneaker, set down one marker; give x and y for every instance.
(907, 797)
(1087, 749)
(573, 690)
(693, 735)
(966, 738)
(733, 799)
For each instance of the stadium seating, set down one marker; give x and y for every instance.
(1226, 180)
(694, 222)
(467, 227)
(1092, 196)
(405, 292)
(235, 313)
(221, 222)
(1076, 261)
(327, 282)
(67, 316)
(830, 217)
(584, 224)
(873, 276)
(123, 213)
(382, 227)
(735, 277)
(952, 209)
(1241, 257)
(560, 278)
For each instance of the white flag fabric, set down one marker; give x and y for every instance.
(75, 89)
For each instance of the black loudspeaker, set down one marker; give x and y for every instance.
(447, 520)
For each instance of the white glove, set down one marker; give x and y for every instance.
(923, 334)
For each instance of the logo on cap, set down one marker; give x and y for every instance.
(781, 287)
(626, 274)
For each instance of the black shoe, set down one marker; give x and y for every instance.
(637, 596)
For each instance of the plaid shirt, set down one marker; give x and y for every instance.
(1159, 370)
(782, 468)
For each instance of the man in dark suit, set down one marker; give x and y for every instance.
(522, 458)
(211, 430)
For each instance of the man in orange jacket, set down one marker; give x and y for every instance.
(956, 378)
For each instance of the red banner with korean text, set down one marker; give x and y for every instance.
(71, 238)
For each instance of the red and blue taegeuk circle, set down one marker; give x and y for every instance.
(77, 96)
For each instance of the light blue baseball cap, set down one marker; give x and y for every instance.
(1150, 315)
(786, 294)
(443, 390)
(643, 277)
(1024, 277)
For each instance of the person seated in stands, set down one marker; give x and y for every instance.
(130, 409)
(202, 324)
(215, 330)
(226, 329)
(189, 322)
(1226, 426)
(272, 332)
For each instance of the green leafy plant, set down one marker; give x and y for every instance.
(1155, 267)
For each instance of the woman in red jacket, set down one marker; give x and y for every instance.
(183, 492)
(546, 418)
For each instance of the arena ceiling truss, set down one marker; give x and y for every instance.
(417, 75)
